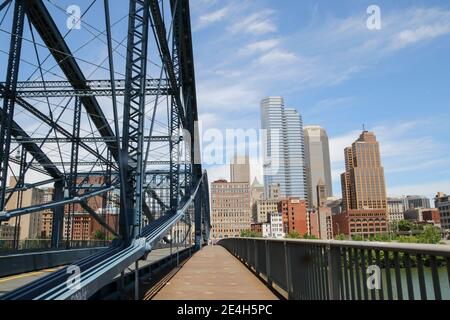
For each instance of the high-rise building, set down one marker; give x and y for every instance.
(318, 167)
(396, 209)
(256, 194)
(27, 225)
(79, 225)
(46, 223)
(284, 152)
(442, 203)
(364, 190)
(230, 207)
(240, 169)
(415, 202)
(274, 191)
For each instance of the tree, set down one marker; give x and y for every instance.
(98, 235)
(405, 225)
(357, 238)
(341, 237)
(430, 234)
(309, 237)
(293, 235)
(250, 234)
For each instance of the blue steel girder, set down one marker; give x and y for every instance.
(44, 24)
(133, 117)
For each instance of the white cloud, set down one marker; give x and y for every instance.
(277, 57)
(260, 46)
(212, 17)
(258, 23)
(231, 97)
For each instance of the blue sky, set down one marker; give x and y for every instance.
(318, 55)
(321, 57)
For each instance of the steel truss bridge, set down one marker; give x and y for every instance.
(113, 133)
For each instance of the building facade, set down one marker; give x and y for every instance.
(7, 232)
(276, 221)
(318, 167)
(264, 208)
(396, 209)
(256, 194)
(363, 190)
(414, 202)
(325, 221)
(294, 215)
(284, 152)
(240, 169)
(230, 209)
(28, 225)
(442, 203)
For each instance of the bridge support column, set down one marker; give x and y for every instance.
(58, 214)
(198, 221)
(136, 280)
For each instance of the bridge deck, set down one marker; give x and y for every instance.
(214, 274)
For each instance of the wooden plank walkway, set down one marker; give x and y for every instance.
(214, 274)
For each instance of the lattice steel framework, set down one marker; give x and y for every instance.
(126, 139)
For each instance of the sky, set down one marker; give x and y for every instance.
(319, 55)
(326, 63)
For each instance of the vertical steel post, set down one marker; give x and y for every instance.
(58, 214)
(9, 99)
(333, 272)
(133, 119)
(136, 280)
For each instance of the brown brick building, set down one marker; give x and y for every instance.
(294, 215)
(363, 190)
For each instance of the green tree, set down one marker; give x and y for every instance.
(250, 234)
(357, 238)
(293, 235)
(99, 235)
(405, 225)
(309, 237)
(341, 237)
(430, 234)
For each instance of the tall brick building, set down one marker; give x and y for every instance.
(294, 215)
(363, 190)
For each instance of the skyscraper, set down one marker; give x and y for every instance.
(240, 169)
(284, 152)
(363, 188)
(318, 168)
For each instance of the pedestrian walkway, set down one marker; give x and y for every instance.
(214, 274)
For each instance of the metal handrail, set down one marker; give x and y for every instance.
(427, 249)
(347, 270)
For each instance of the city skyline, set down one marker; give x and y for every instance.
(398, 91)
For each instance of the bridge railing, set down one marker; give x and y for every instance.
(347, 270)
(36, 245)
